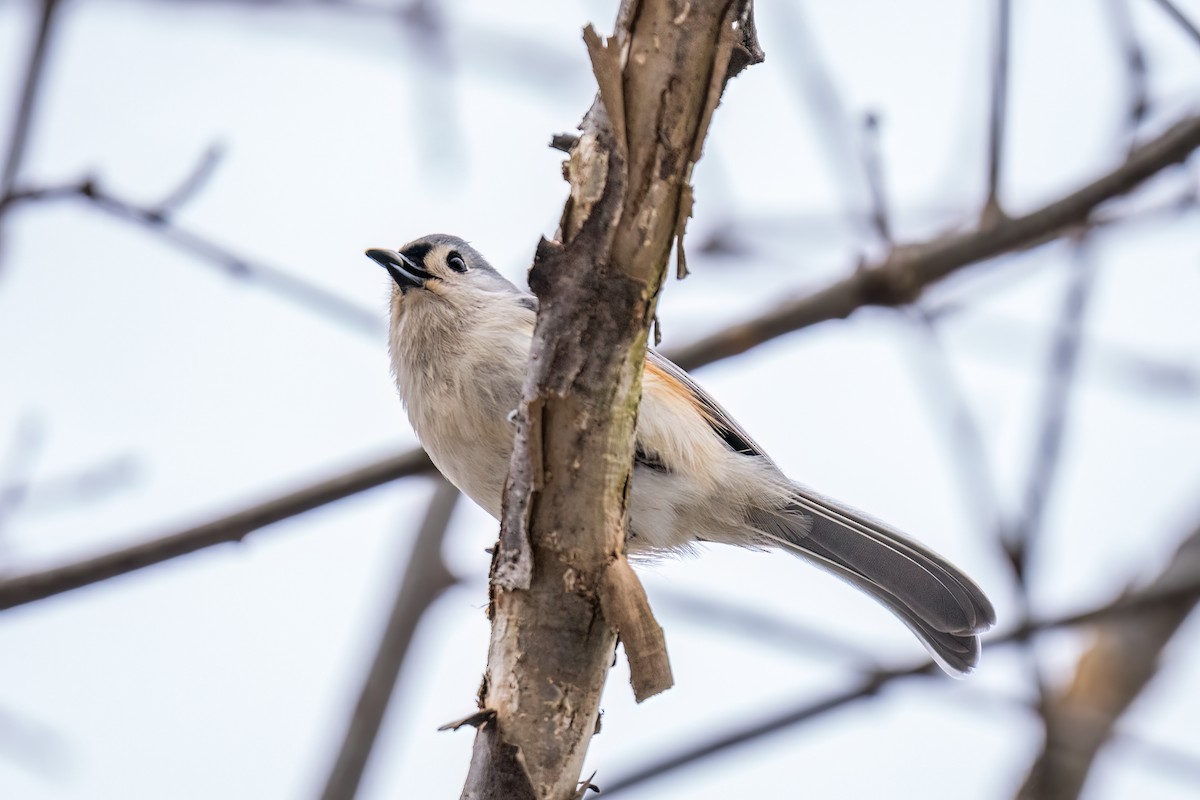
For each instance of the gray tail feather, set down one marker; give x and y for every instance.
(941, 605)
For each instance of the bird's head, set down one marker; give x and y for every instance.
(441, 267)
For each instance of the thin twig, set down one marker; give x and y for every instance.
(279, 281)
(200, 175)
(70, 489)
(1183, 22)
(425, 578)
(210, 253)
(1018, 540)
(1154, 597)
(907, 271)
(1061, 370)
(992, 210)
(872, 158)
(922, 265)
(763, 628)
(23, 119)
(22, 451)
(1135, 65)
(21, 589)
(826, 110)
(964, 437)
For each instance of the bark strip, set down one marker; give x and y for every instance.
(567, 491)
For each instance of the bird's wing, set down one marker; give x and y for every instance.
(722, 424)
(671, 375)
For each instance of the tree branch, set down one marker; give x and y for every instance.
(993, 212)
(1121, 662)
(905, 273)
(234, 527)
(1127, 609)
(425, 578)
(1185, 24)
(23, 119)
(937, 259)
(562, 589)
(158, 220)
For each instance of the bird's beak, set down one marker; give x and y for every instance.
(404, 270)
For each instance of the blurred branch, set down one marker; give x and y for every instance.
(931, 262)
(901, 276)
(918, 265)
(758, 626)
(1060, 373)
(23, 119)
(21, 589)
(1182, 589)
(1135, 65)
(191, 185)
(425, 578)
(68, 489)
(872, 158)
(992, 211)
(1005, 339)
(1121, 662)
(1183, 22)
(831, 122)
(18, 459)
(159, 221)
(952, 412)
(33, 745)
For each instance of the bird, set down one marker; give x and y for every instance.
(459, 340)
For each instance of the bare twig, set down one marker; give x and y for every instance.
(833, 125)
(1185, 24)
(872, 158)
(69, 489)
(1127, 607)
(29, 587)
(201, 173)
(919, 266)
(907, 271)
(992, 210)
(963, 436)
(23, 119)
(17, 463)
(762, 628)
(210, 253)
(425, 578)
(1135, 65)
(1061, 367)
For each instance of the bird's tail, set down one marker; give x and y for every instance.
(941, 605)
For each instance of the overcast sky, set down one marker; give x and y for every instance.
(230, 673)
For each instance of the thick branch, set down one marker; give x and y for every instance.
(1128, 610)
(937, 259)
(907, 271)
(561, 587)
(1121, 662)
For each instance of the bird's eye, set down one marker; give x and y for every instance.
(456, 263)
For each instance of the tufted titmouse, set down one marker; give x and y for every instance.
(459, 341)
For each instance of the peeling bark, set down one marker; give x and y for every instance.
(561, 587)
